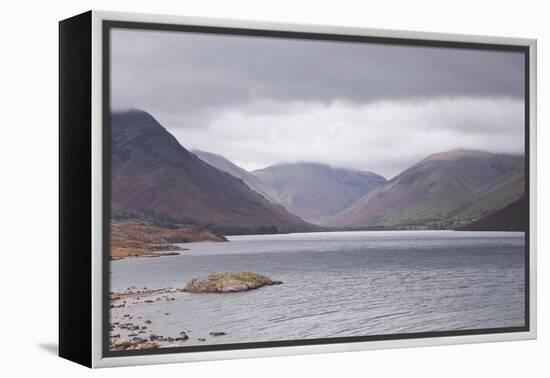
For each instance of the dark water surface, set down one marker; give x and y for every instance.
(339, 284)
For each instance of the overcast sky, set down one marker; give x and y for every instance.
(260, 101)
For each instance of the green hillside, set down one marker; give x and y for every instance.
(444, 191)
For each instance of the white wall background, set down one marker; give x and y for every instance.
(28, 212)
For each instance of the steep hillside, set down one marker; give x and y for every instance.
(492, 197)
(514, 217)
(249, 179)
(153, 175)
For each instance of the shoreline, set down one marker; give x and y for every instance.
(132, 239)
(151, 251)
(129, 331)
(122, 249)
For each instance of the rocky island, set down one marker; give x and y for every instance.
(228, 282)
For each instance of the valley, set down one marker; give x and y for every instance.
(155, 180)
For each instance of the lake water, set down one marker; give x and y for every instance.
(338, 284)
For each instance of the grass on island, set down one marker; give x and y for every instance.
(220, 277)
(227, 282)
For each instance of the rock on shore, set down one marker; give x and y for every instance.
(134, 344)
(228, 282)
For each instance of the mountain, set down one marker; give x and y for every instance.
(154, 176)
(317, 191)
(249, 179)
(445, 188)
(494, 196)
(514, 217)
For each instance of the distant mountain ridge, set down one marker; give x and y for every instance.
(152, 174)
(447, 188)
(155, 177)
(249, 179)
(316, 191)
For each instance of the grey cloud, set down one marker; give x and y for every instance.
(385, 137)
(260, 101)
(186, 78)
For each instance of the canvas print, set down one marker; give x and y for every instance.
(270, 189)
